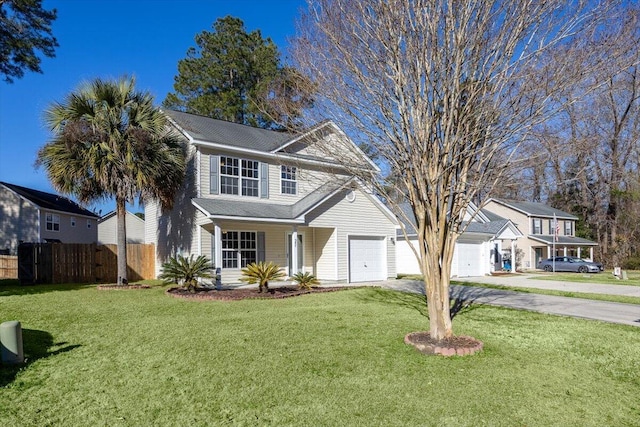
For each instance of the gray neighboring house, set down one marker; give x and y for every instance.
(28, 215)
(481, 249)
(108, 229)
(254, 194)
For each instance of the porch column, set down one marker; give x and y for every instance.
(294, 251)
(565, 251)
(579, 251)
(591, 253)
(513, 256)
(217, 246)
(551, 255)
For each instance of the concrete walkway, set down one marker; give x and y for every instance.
(626, 314)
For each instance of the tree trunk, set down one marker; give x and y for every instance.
(436, 256)
(121, 215)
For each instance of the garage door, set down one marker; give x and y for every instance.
(367, 258)
(469, 259)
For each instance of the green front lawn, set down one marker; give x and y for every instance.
(142, 358)
(586, 295)
(605, 277)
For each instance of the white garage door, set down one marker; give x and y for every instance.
(367, 258)
(469, 259)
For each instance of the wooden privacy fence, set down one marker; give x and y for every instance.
(82, 263)
(8, 267)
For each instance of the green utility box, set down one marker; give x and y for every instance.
(11, 342)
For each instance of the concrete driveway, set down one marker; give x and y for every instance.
(626, 314)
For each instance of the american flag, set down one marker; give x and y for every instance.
(557, 227)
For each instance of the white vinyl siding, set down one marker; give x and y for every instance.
(108, 230)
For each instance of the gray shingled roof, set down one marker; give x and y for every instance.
(491, 216)
(255, 209)
(226, 133)
(536, 209)
(563, 240)
(491, 228)
(50, 201)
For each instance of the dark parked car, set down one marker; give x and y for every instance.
(569, 263)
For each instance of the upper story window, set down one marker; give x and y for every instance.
(537, 226)
(288, 184)
(239, 176)
(52, 222)
(568, 228)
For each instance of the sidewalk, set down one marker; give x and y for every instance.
(626, 314)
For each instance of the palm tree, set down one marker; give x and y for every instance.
(110, 141)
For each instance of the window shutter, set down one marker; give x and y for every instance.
(214, 173)
(264, 180)
(260, 245)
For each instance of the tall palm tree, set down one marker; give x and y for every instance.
(110, 141)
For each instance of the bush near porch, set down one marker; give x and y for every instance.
(142, 358)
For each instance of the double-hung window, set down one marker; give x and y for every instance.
(568, 229)
(239, 248)
(288, 179)
(239, 176)
(52, 222)
(250, 178)
(537, 226)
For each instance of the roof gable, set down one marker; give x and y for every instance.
(49, 201)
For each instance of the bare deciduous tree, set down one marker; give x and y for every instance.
(442, 93)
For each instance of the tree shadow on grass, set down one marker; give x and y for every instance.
(415, 299)
(13, 287)
(36, 345)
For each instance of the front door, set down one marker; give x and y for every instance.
(538, 256)
(298, 255)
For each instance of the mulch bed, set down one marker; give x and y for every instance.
(247, 293)
(454, 346)
(121, 287)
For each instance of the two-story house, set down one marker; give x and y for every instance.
(33, 216)
(545, 229)
(254, 194)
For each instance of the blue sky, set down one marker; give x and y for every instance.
(109, 39)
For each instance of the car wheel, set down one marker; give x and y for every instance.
(548, 268)
(582, 269)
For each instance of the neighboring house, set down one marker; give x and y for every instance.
(28, 215)
(108, 229)
(545, 229)
(478, 250)
(254, 194)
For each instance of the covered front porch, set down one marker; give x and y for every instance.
(232, 245)
(563, 246)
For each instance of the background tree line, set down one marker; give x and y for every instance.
(585, 159)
